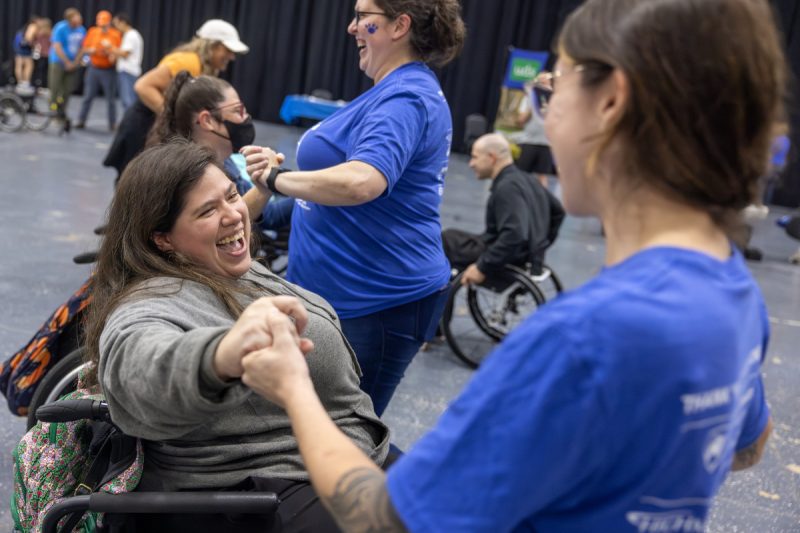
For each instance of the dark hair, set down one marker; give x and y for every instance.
(437, 31)
(707, 86)
(149, 198)
(185, 97)
(123, 17)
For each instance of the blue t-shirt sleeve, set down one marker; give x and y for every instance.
(60, 36)
(512, 444)
(389, 135)
(757, 415)
(755, 420)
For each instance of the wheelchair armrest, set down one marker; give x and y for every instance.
(185, 502)
(163, 503)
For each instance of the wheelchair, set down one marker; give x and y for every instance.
(30, 109)
(477, 317)
(117, 507)
(12, 112)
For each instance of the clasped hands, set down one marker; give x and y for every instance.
(260, 160)
(264, 348)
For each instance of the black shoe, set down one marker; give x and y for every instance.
(100, 230)
(753, 254)
(80, 126)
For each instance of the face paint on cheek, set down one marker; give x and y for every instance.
(372, 28)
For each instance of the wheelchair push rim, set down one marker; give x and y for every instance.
(476, 318)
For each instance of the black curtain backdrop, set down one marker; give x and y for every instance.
(301, 45)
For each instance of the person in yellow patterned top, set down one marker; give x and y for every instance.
(215, 45)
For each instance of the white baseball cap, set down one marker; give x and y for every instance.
(224, 32)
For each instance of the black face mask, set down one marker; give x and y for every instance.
(240, 135)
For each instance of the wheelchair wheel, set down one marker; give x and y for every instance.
(38, 115)
(476, 318)
(59, 380)
(548, 283)
(12, 113)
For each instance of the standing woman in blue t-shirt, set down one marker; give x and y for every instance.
(366, 233)
(622, 405)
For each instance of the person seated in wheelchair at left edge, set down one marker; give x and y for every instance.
(177, 302)
(522, 217)
(207, 110)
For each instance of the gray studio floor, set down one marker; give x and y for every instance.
(54, 191)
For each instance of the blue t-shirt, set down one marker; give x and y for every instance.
(277, 213)
(71, 40)
(386, 252)
(616, 407)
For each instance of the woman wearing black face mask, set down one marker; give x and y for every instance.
(207, 110)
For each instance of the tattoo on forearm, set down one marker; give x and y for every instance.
(360, 502)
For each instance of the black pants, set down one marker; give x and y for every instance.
(300, 510)
(130, 138)
(536, 159)
(462, 248)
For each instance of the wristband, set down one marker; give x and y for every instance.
(273, 175)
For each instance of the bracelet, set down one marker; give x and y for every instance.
(273, 175)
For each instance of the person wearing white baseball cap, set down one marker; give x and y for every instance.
(224, 32)
(215, 44)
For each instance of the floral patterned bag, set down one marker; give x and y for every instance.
(54, 461)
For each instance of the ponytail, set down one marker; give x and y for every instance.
(166, 125)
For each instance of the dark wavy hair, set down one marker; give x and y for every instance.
(708, 86)
(149, 198)
(437, 30)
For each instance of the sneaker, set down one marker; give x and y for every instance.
(795, 259)
(24, 89)
(753, 254)
(80, 126)
(756, 212)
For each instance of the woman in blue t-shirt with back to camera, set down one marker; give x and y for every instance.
(622, 405)
(366, 233)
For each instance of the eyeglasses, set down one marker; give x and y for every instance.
(238, 108)
(543, 86)
(358, 14)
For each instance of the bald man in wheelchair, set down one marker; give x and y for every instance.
(522, 217)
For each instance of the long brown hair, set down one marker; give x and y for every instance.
(149, 198)
(707, 86)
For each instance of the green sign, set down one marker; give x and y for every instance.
(524, 69)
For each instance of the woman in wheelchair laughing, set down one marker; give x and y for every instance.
(177, 304)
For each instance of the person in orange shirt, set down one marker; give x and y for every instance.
(100, 39)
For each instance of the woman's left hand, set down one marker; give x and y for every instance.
(280, 370)
(259, 160)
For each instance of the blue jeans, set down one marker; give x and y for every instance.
(385, 343)
(94, 80)
(126, 93)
